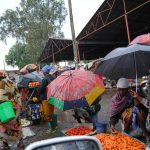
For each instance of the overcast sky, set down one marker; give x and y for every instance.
(83, 10)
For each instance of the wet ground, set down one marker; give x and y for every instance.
(65, 121)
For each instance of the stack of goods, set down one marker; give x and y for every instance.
(78, 131)
(119, 141)
(34, 84)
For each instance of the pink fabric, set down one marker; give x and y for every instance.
(142, 39)
(2, 73)
(118, 102)
(17, 107)
(28, 68)
(13, 125)
(2, 128)
(73, 84)
(24, 93)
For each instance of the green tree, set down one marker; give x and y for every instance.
(32, 23)
(18, 55)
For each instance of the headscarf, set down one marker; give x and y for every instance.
(53, 70)
(122, 83)
(47, 69)
(2, 73)
(118, 102)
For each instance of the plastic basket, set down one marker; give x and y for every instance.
(90, 125)
(101, 127)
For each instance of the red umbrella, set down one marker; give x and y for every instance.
(73, 85)
(142, 39)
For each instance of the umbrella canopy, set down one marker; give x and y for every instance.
(30, 77)
(75, 88)
(142, 39)
(129, 62)
(29, 68)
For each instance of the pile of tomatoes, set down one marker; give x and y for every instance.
(78, 131)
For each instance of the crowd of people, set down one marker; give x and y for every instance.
(126, 105)
(28, 104)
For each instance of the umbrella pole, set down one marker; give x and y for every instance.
(136, 81)
(135, 70)
(32, 94)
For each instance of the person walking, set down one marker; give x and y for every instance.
(46, 109)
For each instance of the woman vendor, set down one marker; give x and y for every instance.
(46, 109)
(10, 130)
(126, 105)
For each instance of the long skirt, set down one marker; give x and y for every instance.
(142, 110)
(46, 111)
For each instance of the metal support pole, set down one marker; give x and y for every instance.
(4, 65)
(73, 34)
(53, 58)
(126, 20)
(53, 54)
(78, 52)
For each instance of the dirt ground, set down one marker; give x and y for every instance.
(65, 121)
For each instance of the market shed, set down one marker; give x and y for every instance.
(56, 50)
(116, 23)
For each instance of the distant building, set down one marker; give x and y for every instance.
(12, 73)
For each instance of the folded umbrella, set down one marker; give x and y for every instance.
(75, 88)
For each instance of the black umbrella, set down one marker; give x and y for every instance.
(129, 62)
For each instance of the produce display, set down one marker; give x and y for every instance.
(78, 131)
(34, 84)
(119, 141)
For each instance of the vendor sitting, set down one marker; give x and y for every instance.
(126, 105)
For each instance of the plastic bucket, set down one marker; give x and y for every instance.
(6, 112)
(101, 127)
